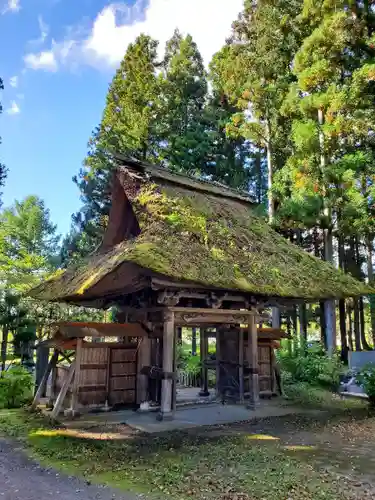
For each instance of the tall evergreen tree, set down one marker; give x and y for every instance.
(183, 138)
(128, 126)
(256, 73)
(28, 244)
(331, 105)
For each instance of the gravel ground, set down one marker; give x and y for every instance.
(23, 479)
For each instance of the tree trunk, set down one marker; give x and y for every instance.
(318, 254)
(4, 347)
(357, 333)
(350, 331)
(342, 312)
(344, 340)
(370, 276)
(271, 203)
(329, 305)
(365, 344)
(258, 170)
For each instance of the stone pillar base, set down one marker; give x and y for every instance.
(203, 393)
(164, 417)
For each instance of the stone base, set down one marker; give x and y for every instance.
(164, 417)
(253, 406)
(70, 413)
(203, 394)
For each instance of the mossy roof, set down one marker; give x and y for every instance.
(205, 234)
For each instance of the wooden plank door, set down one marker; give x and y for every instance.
(122, 376)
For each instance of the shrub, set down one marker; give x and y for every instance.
(15, 387)
(366, 377)
(311, 365)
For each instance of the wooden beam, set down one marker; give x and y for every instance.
(76, 329)
(252, 355)
(166, 411)
(52, 364)
(64, 389)
(77, 375)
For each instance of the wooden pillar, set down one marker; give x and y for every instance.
(43, 382)
(218, 357)
(42, 360)
(204, 354)
(144, 359)
(167, 386)
(241, 362)
(76, 380)
(252, 353)
(64, 389)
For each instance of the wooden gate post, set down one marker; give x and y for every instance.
(241, 362)
(43, 382)
(64, 389)
(42, 360)
(252, 353)
(77, 374)
(167, 386)
(144, 359)
(204, 372)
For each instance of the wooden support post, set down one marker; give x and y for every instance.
(204, 372)
(43, 383)
(240, 362)
(77, 375)
(42, 360)
(218, 356)
(168, 353)
(174, 382)
(52, 394)
(64, 389)
(144, 359)
(252, 353)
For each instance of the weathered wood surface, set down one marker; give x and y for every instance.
(166, 408)
(43, 382)
(63, 392)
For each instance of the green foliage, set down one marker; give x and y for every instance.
(366, 377)
(187, 363)
(309, 396)
(28, 244)
(311, 365)
(15, 387)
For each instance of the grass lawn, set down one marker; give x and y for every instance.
(269, 460)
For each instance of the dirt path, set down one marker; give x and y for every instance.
(23, 479)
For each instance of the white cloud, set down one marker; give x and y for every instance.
(44, 31)
(14, 109)
(12, 6)
(45, 60)
(13, 82)
(208, 21)
(117, 25)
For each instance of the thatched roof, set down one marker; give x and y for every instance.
(196, 232)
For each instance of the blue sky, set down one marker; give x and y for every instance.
(57, 58)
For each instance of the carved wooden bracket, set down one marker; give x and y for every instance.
(215, 301)
(168, 298)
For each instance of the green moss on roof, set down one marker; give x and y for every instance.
(214, 241)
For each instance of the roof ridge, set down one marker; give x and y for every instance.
(185, 179)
